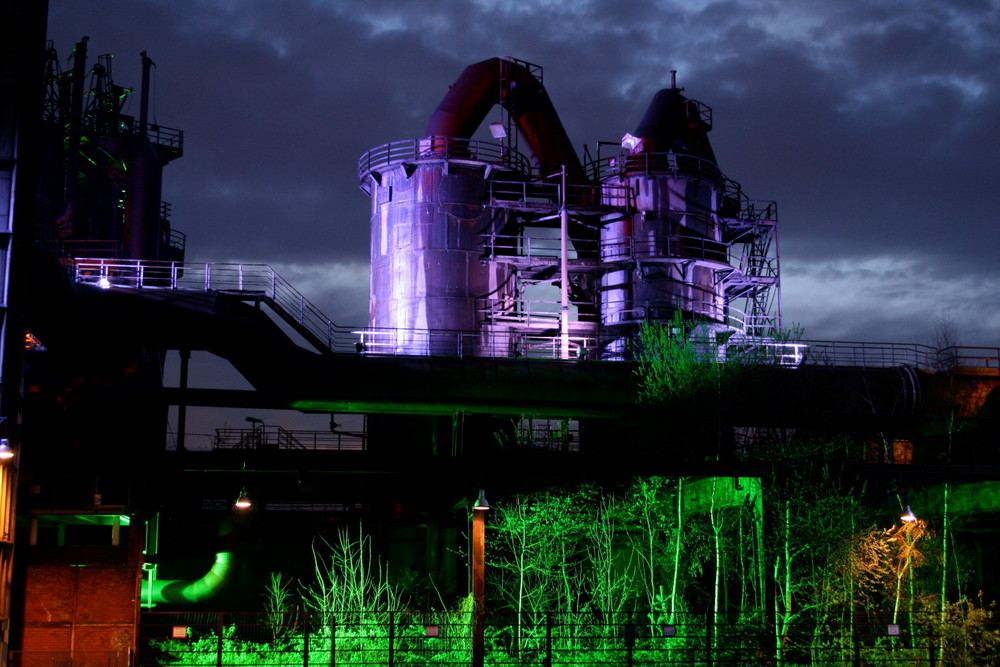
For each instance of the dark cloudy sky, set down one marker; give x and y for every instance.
(874, 125)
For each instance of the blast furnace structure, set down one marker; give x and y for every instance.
(478, 248)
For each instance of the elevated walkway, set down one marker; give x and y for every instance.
(258, 284)
(252, 283)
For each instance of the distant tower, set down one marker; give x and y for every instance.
(105, 200)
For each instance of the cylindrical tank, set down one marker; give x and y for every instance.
(668, 255)
(428, 283)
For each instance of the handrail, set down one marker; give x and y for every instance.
(579, 198)
(497, 344)
(275, 437)
(672, 247)
(440, 148)
(625, 164)
(522, 246)
(853, 354)
(249, 280)
(261, 281)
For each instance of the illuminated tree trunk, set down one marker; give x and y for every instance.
(783, 596)
(677, 549)
(761, 564)
(942, 609)
(718, 565)
(850, 588)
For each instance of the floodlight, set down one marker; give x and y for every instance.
(481, 504)
(243, 502)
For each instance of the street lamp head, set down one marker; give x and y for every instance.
(481, 503)
(909, 516)
(6, 453)
(243, 502)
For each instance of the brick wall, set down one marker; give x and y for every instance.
(81, 603)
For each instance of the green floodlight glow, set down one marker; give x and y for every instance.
(176, 591)
(69, 519)
(514, 408)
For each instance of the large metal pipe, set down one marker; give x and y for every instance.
(75, 130)
(509, 83)
(147, 65)
(185, 591)
(143, 229)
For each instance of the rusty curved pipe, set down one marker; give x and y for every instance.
(498, 81)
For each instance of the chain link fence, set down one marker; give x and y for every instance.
(553, 639)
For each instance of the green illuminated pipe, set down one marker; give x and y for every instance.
(181, 591)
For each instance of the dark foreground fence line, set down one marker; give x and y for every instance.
(223, 639)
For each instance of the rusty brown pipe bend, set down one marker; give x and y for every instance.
(478, 88)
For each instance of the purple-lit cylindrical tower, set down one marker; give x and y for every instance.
(669, 255)
(433, 288)
(428, 283)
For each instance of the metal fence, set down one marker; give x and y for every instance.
(249, 281)
(439, 148)
(268, 436)
(853, 354)
(122, 657)
(422, 638)
(261, 281)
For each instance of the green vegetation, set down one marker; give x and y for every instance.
(802, 564)
(667, 569)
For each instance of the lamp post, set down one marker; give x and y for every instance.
(479, 577)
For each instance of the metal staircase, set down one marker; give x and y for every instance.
(255, 283)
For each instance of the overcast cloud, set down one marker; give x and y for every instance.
(874, 125)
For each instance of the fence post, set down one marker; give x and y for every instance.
(218, 648)
(305, 640)
(629, 643)
(709, 637)
(333, 641)
(392, 637)
(548, 639)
